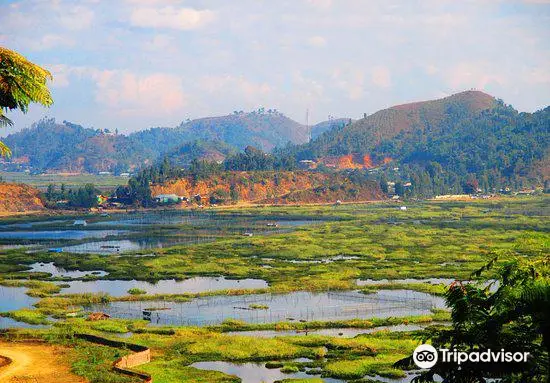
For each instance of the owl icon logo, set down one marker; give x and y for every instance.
(425, 356)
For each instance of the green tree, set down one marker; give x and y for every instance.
(514, 316)
(21, 82)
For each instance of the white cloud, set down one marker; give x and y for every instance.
(381, 76)
(321, 4)
(171, 17)
(317, 41)
(160, 42)
(76, 18)
(130, 94)
(478, 75)
(48, 41)
(223, 86)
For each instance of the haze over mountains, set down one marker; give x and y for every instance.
(467, 133)
(73, 148)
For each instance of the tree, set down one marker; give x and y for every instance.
(399, 189)
(21, 82)
(513, 316)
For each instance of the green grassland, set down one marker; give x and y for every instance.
(429, 239)
(175, 350)
(41, 181)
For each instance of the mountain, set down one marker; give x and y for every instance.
(262, 129)
(467, 138)
(366, 133)
(215, 151)
(324, 126)
(67, 147)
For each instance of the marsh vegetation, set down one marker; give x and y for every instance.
(236, 302)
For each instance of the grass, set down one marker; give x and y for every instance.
(41, 181)
(256, 306)
(177, 371)
(136, 291)
(27, 316)
(38, 289)
(429, 240)
(434, 289)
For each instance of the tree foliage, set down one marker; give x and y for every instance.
(514, 316)
(21, 82)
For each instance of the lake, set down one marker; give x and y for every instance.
(169, 286)
(298, 305)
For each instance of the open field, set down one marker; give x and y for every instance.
(41, 181)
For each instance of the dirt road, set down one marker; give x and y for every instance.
(35, 363)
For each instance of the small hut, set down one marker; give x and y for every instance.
(98, 316)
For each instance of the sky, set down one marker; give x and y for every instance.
(135, 64)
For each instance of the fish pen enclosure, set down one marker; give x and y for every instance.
(269, 308)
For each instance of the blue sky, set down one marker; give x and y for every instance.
(135, 64)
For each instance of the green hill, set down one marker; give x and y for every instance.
(445, 144)
(73, 148)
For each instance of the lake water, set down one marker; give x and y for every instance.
(373, 282)
(292, 306)
(255, 372)
(11, 323)
(169, 286)
(131, 231)
(334, 332)
(181, 217)
(126, 245)
(61, 272)
(14, 298)
(60, 234)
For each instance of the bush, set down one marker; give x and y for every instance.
(136, 291)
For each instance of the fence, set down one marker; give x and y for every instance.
(214, 310)
(122, 365)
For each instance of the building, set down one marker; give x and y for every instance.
(167, 198)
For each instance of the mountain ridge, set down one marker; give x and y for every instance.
(77, 149)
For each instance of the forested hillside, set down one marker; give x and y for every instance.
(73, 148)
(365, 134)
(451, 145)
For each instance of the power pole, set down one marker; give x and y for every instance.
(308, 129)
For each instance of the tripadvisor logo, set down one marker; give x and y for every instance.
(426, 356)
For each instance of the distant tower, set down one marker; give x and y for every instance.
(308, 129)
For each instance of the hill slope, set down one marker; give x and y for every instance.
(363, 135)
(52, 146)
(469, 137)
(275, 187)
(19, 198)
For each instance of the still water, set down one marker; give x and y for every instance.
(169, 286)
(282, 307)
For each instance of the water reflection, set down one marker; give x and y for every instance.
(255, 372)
(56, 271)
(300, 305)
(373, 282)
(168, 286)
(333, 332)
(59, 234)
(14, 298)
